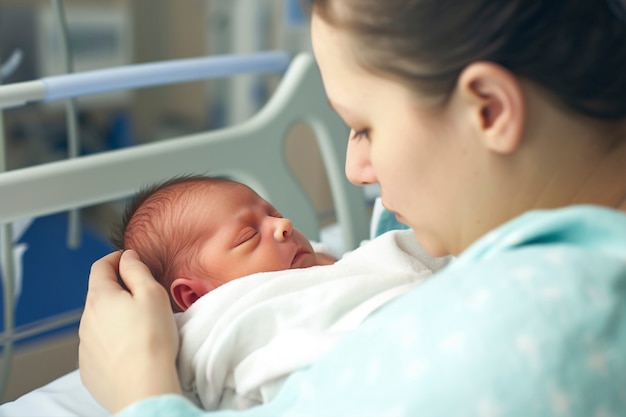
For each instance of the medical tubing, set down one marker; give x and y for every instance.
(11, 64)
(8, 279)
(151, 74)
(71, 119)
(8, 294)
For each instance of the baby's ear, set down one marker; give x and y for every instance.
(185, 291)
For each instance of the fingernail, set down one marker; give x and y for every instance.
(131, 254)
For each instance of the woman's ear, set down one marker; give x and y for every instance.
(496, 104)
(186, 291)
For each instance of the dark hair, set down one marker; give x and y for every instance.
(573, 48)
(155, 225)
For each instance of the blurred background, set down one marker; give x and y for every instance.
(111, 33)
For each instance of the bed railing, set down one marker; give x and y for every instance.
(66, 86)
(111, 175)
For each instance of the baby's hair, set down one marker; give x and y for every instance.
(155, 225)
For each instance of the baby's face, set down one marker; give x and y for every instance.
(246, 234)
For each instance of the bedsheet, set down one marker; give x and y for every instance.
(63, 397)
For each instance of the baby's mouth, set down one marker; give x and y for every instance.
(297, 257)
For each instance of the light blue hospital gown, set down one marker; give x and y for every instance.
(529, 321)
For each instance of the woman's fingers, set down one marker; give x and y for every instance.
(135, 273)
(126, 338)
(104, 271)
(140, 282)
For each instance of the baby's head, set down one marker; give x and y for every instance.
(196, 233)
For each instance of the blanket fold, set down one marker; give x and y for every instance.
(241, 340)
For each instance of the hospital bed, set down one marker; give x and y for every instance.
(252, 152)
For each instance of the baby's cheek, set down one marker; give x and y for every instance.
(324, 259)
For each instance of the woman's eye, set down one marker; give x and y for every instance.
(360, 134)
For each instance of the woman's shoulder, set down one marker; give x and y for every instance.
(561, 256)
(541, 311)
(586, 228)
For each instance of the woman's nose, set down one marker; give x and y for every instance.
(358, 165)
(283, 228)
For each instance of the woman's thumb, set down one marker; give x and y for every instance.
(132, 271)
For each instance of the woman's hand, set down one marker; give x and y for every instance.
(128, 339)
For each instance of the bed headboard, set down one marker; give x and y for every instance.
(252, 152)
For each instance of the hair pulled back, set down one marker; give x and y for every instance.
(573, 48)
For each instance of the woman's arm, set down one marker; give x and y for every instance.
(128, 339)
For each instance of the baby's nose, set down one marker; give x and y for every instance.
(283, 229)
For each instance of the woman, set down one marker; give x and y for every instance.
(497, 131)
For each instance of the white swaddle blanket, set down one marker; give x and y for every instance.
(240, 341)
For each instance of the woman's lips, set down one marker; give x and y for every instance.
(395, 213)
(398, 216)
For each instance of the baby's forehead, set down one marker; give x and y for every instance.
(196, 186)
(205, 198)
(210, 193)
(238, 193)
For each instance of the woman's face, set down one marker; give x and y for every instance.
(417, 154)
